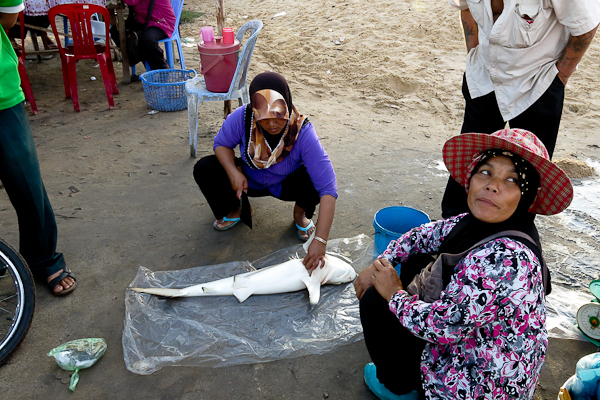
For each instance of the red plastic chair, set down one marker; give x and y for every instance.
(84, 47)
(25, 85)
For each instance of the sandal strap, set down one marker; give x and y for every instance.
(64, 274)
(226, 219)
(310, 225)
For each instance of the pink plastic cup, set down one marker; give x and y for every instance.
(228, 36)
(208, 34)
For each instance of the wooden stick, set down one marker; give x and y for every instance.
(39, 28)
(220, 18)
(220, 23)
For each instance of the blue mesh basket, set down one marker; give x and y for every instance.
(164, 89)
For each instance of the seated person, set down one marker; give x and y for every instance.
(36, 14)
(281, 156)
(484, 337)
(160, 26)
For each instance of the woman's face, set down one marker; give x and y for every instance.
(494, 191)
(273, 125)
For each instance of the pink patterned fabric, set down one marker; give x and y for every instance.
(486, 336)
(556, 192)
(162, 16)
(41, 7)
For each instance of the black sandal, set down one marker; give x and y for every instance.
(66, 273)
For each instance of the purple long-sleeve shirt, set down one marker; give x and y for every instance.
(307, 151)
(162, 16)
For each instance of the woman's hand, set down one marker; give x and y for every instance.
(385, 279)
(316, 254)
(239, 182)
(363, 281)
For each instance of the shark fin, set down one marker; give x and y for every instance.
(314, 289)
(242, 294)
(160, 291)
(241, 289)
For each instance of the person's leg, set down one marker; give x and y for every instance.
(481, 116)
(214, 183)
(299, 188)
(151, 50)
(393, 349)
(20, 174)
(543, 117)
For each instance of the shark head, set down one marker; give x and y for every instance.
(337, 271)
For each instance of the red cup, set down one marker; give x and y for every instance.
(228, 36)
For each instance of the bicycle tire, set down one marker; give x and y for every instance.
(17, 300)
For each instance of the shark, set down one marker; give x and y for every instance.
(289, 276)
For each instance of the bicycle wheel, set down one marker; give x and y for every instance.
(17, 299)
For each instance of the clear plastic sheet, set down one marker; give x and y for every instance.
(219, 331)
(571, 242)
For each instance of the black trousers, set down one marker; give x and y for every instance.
(151, 50)
(214, 183)
(394, 350)
(483, 116)
(22, 180)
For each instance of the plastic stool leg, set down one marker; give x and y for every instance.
(180, 50)
(192, 99)
(106, 81)
(169, 54)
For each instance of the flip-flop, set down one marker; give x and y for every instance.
(380, 390)
(306, 229)
(66, 273)
(225, 219)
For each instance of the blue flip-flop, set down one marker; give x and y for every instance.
(225, 219)
(310, 225)
(380, 390)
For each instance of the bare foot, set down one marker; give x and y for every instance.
(63, 285)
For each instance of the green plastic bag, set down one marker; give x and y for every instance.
(78, 354)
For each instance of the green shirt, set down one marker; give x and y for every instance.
(10, 82)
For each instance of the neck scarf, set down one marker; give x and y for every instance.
(270, 97)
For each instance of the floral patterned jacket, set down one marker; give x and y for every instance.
(486, 335)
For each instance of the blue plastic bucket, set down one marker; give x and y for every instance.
(392, 222)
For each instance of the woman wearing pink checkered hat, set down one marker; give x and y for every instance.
(471, 325)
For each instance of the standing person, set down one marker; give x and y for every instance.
(160, 26)
(20, 171)
(482, 333)
(281, 156)
(520, 57)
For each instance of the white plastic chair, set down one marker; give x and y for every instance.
(196, 91)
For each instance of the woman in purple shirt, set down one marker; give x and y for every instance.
(281, 156)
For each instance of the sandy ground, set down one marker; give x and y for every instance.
(383, 100)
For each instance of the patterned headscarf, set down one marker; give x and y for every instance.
(270, 97)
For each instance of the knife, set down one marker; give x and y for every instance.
(245, 211)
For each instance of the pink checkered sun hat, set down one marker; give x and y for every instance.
(555, 193)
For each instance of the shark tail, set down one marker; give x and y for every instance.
(160, 292)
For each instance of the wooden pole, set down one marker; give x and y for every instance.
(220, 23)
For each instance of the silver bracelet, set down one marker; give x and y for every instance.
(319, 239)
